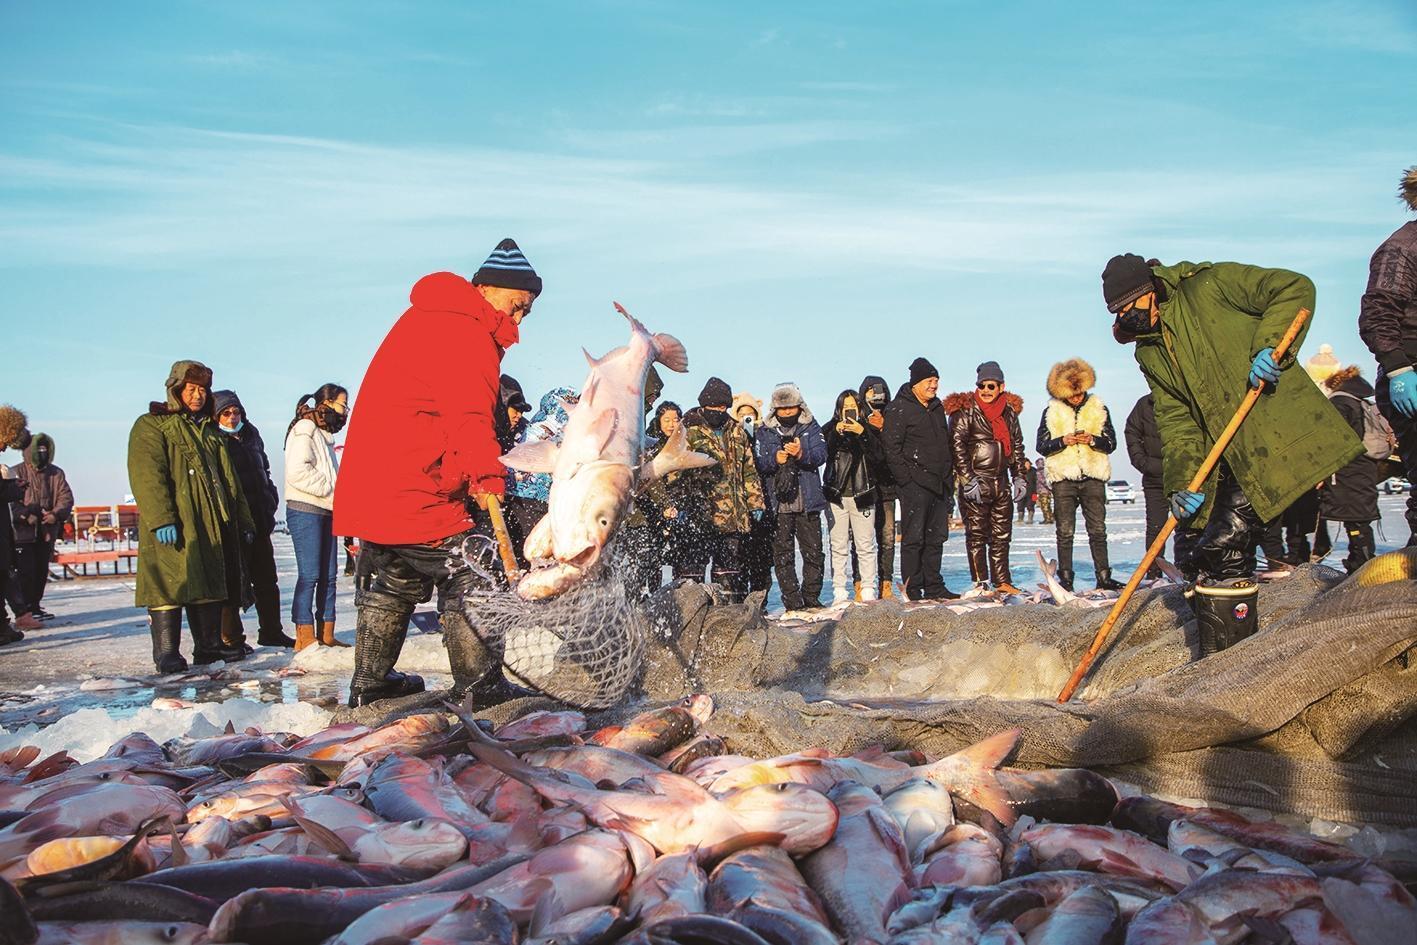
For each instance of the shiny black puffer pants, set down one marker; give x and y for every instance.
(394, 579)
(1226, 547)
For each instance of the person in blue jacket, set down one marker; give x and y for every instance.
(790, 451)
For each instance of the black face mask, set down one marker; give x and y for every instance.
(1138, 322)
(716, 418)
(41, 457)
(876, 398)
(331, 419)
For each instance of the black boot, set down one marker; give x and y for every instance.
(204, 621)
(166, 628)
(478, 682)
(8, 634)
(1065, 579)
(378, 639)
(1105, 582)
(274, 638)
(1226, 613)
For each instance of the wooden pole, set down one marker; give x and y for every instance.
(1216, 451)
(504, 539)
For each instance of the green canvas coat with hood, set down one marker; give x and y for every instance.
(181, 474)
(1216, 318)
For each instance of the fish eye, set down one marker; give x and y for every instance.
(171, 933)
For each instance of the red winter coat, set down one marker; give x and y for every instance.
(423, 438)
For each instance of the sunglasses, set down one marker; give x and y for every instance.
(988, 385)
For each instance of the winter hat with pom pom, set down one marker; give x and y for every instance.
(1322, 365)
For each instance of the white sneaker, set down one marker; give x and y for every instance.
(868, 594)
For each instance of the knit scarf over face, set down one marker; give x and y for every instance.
(994, 412)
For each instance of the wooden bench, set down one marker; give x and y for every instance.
(95, 523)
(76, 563)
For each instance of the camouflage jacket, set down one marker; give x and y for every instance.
(724, 495)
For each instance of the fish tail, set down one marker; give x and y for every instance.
(977, 763)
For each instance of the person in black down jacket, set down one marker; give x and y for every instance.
(253, 470)
(874, 396)
(849, 482)
(1351, 495)
(988, 446)
(916, 438)
(39, 518)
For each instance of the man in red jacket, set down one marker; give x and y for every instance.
(422, 443)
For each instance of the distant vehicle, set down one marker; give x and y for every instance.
(1396, 485)
(1119, 490)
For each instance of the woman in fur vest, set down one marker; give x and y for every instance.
(988, 444)
(1075, 438)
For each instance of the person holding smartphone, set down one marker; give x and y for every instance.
(849, 483)
(790, 450)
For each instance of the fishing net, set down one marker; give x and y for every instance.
(583, 648)
(1315, 715)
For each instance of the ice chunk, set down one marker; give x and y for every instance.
(88, 733)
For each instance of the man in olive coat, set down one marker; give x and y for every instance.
(1205, 333)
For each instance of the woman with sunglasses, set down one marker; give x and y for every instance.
(311, 467)
(988, 444)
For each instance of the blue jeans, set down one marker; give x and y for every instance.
(316, 561)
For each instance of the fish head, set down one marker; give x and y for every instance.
(851, 797)
(804, 817)
(586, 511)
(425, 843)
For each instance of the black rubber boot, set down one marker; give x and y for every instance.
(378, 639)
(204, 621)
(1226, 613)
(166, 628)
(1065, 579)
(274, 638)
(1105, 582)
(477, 668)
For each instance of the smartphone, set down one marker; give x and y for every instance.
(850, 414)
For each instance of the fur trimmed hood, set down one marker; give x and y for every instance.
(954, 403)
(1070, 378)
(1408, 188)
(12, 425)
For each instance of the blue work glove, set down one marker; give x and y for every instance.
(1185, 504)
(1264, 369)
(166, 534)
(757, 515)
(974, 491)
(1402, 389)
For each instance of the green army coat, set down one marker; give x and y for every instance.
(724, 495)
(1217, 318)
(181, 474)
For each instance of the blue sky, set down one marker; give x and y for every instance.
(798, 191)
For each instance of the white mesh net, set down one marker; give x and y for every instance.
(584, 647)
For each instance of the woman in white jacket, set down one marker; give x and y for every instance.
(311, 467)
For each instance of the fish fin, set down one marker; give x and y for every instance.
(54, 764)
(230, 729)
(536, 457)
(870, 753)
(674, 456)
(525, 833)
(979, 761)
(635, 324)
(670, 352)
(591, 359)
(326, 838)
(548, 906)
(603, 428)
(179, 852)
(591, 384)
(18, 759)
(710, 855)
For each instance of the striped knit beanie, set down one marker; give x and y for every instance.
(507, 268)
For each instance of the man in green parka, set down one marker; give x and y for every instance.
(1205, 333)
(193, 513)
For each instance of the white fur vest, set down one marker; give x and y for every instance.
(1078, 461)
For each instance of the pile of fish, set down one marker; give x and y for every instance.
(438, 828)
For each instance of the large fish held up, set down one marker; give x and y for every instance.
(597, 468)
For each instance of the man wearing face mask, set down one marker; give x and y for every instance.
(720, 501)
(1205, 333)
(39, 518)
(422, 443)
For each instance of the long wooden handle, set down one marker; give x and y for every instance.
(1202, 474)
(504, 539)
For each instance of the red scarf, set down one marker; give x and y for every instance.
(995, 414)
